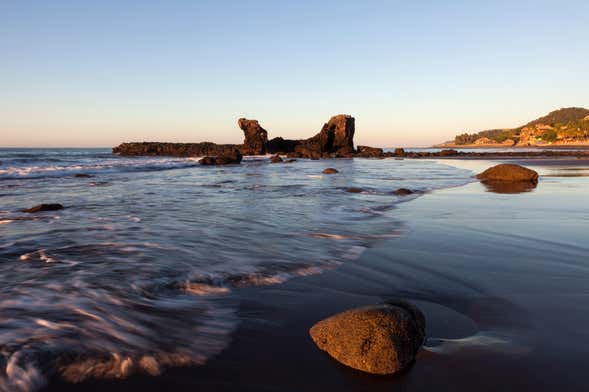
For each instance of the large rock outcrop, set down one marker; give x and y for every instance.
(256, 137)
(336, 139)
(375, 339)
(336, 136)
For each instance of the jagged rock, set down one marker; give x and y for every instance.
(399, 152)
(336, 136)
(508, 172)
(233, 157)
(375, 339)
(369, 152)
(276, 159)
(256, 137)
(330, 170)
(44, 207)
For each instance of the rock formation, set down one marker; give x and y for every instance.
(336, 139)
(508, 178)
(256, 137)
(376, 339)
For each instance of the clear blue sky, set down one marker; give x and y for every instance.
(81, 73)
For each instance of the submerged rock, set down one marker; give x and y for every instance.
(276, 159)
(224, 159)
(354, 190)
(403, 192)
(375, 339)
(83, 175)
(509, 172)
(330, 170)
(44, 207)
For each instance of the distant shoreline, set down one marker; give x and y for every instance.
(538, 147)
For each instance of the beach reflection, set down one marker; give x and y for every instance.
(509, 187)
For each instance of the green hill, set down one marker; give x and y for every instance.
(566, 125)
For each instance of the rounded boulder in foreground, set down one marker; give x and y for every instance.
(330, 170)
(375, 339)
(508, 172)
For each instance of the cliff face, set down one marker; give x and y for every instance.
(336, 138)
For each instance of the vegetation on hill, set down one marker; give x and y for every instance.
(498, 135)
(561, 116)
(566, 125)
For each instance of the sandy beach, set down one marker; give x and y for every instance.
(501, 279)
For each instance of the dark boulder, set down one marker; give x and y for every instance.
(330, 170)
(44, 207)
(83, 175)
(354, 190)
(369, 152)
(375, 339)
(233, 157)
(509, 172)
(399, 152)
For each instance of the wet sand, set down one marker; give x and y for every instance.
(501, 278)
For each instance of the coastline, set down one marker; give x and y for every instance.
(499, 145)
(502, 287)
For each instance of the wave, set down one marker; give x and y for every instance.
(111, 165)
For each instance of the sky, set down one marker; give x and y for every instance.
(412, 73)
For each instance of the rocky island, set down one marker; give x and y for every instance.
(335, 140)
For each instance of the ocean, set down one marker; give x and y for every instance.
(135, 275)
